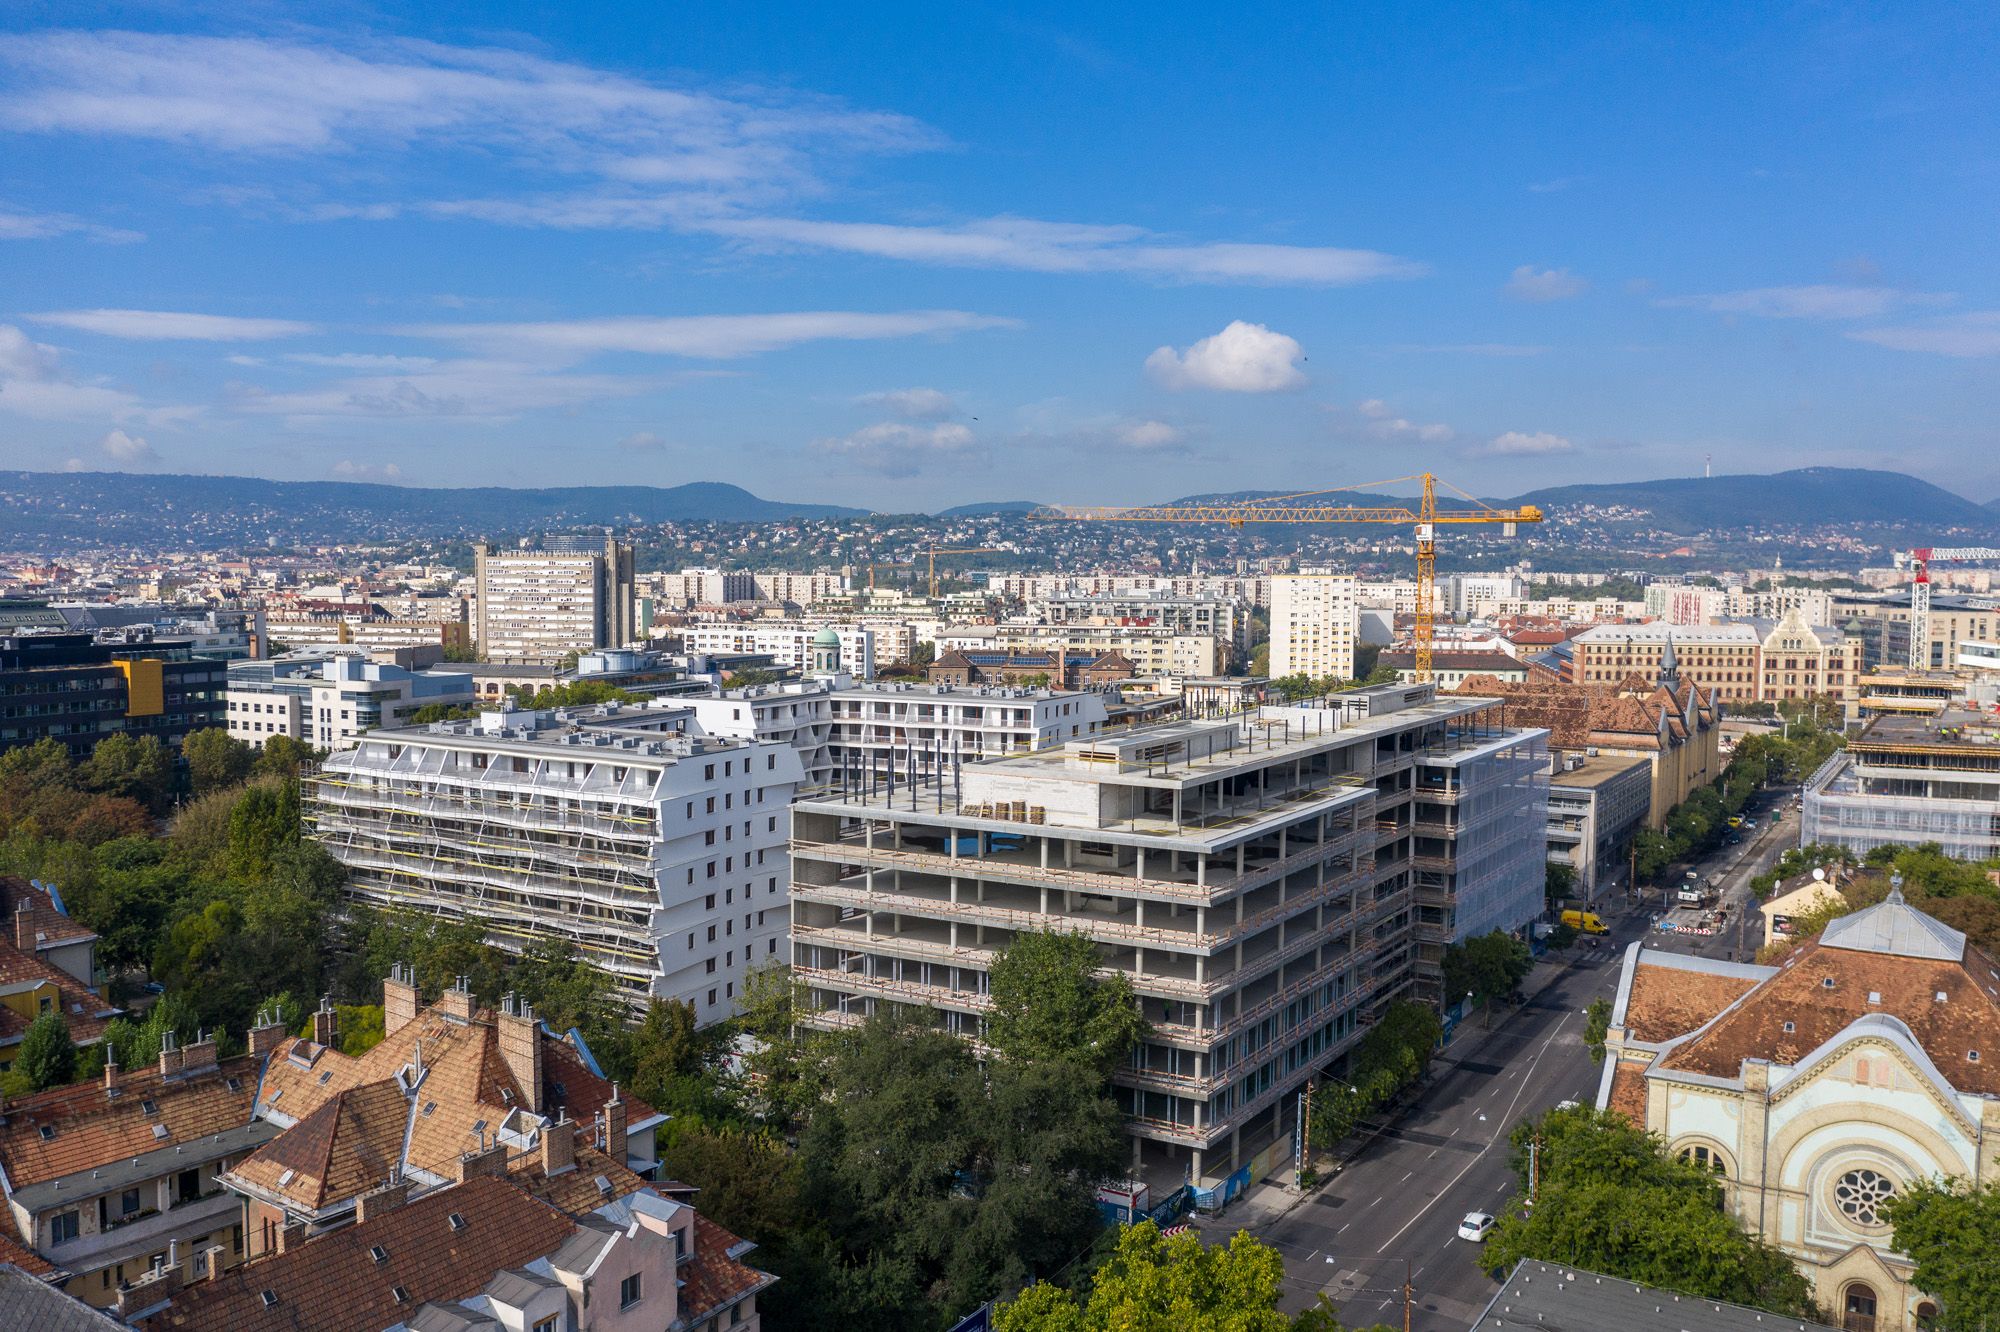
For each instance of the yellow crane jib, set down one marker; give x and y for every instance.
(1423, 520)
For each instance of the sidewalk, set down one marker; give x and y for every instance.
(1269, 1198)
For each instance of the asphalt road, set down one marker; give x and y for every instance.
(1401, 1200)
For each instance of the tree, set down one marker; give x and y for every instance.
(1652, 853)
(1487, 967)
(1951, 1230)
(264, 818)
(1050, 1004)
(1156, 1284)
(283, 756)
(47, 1057)
(215, 759)
(125, 765)
(751, 677)
(1596, 1026)
(749, 1183)
(1560, 882)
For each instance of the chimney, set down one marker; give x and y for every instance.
(324, 1032)
(170, 1056)
(110, 1071)
(486, 1161)
(456, 1001)
(614, 1127)
(521, 1047)
(559, 1145)
(399, 997)
(153, 1289)
(391, 1194)
(211, 1263)
(199, 1055)
(24, 928)
(291, 1235)
(267, 1035)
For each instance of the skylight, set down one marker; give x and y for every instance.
(456, 1221)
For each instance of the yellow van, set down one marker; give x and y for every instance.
(1585, 921)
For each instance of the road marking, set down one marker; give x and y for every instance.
(1314, 1254)
(1406, 1176)
(1418, 1215)
(1344, 1225)
(1372, 1201)
(1431, 1157)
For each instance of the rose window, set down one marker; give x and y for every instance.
(1860, 1195)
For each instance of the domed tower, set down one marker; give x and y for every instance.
(825, 654)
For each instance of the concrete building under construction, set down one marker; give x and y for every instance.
(1908, 778)
(1268, 882)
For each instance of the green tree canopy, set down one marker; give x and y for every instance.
(1951, 1230)
(1049, 1003)
(47, 1057)
(1487, 967)
(216, 759)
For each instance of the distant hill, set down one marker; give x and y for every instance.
(990, 508)
(1847, 496)
(120, 506)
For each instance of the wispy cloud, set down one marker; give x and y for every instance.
(18, 225)
(1974, 333)
(902, 448)
(1069, 247)
(173, 326)
(1242, 358)
(1815, 301)
(712, 337)
(351, 361)
(1385, 424)
(349, 470)
(34, 383)
(466, 391)
(915, 404)
(1149, 436)
(645, 441)
(1525, 444)
(1540, 285)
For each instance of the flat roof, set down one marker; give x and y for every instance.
(1549, 1296)
(1947, 728)
(1599, 770)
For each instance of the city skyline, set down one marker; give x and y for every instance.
(903, 264)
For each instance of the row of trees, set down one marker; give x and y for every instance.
(1389, 1059)
(1960, 893)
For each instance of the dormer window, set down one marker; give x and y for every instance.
(150, 1106)
(1827, 983)
(48, 1132)
(270, 1298)
(402, 1295)
(1791, 1027)
(379, 1254)
(455, 1221)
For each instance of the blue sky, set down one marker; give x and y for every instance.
(916, 255)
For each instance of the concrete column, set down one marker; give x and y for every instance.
(1140, 867)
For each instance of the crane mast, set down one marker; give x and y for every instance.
(1425, 519)
(1921, 560)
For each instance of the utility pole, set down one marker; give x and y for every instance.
(1409, 1293)
(1534, 1146)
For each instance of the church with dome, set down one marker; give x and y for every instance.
(1816, 1089)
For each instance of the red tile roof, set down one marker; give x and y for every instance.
(351, 1143)
(84, 1012)
(1666, 1001)
(92, 1129)
(712, 1279)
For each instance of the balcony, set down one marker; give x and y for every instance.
(147, 1234)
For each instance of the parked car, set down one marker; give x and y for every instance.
(1475, 1227)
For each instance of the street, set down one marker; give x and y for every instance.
(1401, 1200)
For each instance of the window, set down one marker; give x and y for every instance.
(128, 1202)
(1705, 1157)
(711, 966)
(1860, 1195)
(550, 1324)
(628, 1291)
(63, 1225)
(711, 998)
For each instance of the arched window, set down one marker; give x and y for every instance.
(1860, 1194)
(1705, 1157)
(1858, 1307)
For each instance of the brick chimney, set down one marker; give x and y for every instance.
(153, 1288)
(324, 1029)
(486, 1161)
(24, 929)
(170, 1056)
(456, 1001)
(267, 1035)
(399, 997)
(199, 1055)
(291, 1235)
(521, 1046)
(614, 1127)
(387, 1197)
(110, 1071)
(559, 1145)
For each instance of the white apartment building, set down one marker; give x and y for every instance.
(1226, 618)
(1254, 589)
(1267, 883)
(1152, 652)
(330, 702)
(787, 642)
(1689, 604)
(657, 852)
(537, 604)
(1314, 625)
(706, 587)
(801, 589)
(1465, 592)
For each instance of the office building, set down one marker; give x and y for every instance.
(1909, 778)
(1596, 807)
(789, 643)
(658, 853)
(1721, 658)
(1820, 1089)
(1223, 618)
(1314, 626)
(1267, 882)
(77, 690)
(541, 603)
(329, 702)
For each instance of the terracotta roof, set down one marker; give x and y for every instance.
(52, 925)
(92, 1129)
(1454, 661)
(575, 1191)
(334, 1281)
(1968, 1018)
(1628, 1093)
(348, 1145)
(1636, 713)
(13, 1249)
(1668, 1001)
(712, 1279)
(84, 1011)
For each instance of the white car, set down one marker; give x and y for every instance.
(1565, 1105)
(1475, 1227)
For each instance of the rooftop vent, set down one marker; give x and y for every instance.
(379, 1254)
(270, 1298)
(1791, 1027)
(456, 1221)
(402, 1295)
(150, 1106)
(160, 1132)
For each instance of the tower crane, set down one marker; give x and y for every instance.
(1920, 561)
(1424, 519)
(934, 551)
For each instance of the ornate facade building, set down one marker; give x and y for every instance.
(1818, 1089)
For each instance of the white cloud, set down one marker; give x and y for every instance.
(705, 336)
(1149, 436)
(915, 404)
(1819, 301)
(898, 448)
(1071, 247)
(1242, 358)
(644, 441)
(350, 361)
(1385, 424)
(76, 465)
(131, 450)
(33, 383)
(472, 391)
(173, 326)
(349, 470)
(1974, 333)
(1517, 443)
(1528, 283)
(18, 225)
